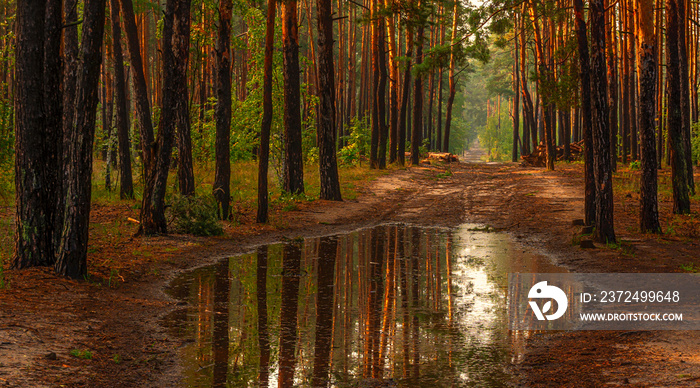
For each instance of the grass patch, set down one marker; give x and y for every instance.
(81, 354)
(690, 267)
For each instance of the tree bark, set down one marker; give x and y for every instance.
(604, 227)
(153, 209)
(53, 114)
(545, 75)
(141, 102)
(516, 98)
(293, 164)
(648, 213)
(33, 236)
(222, 178)
(417, 126)
(264, 152)
(679, 171)
(685, 93)
(326, 124)
(405, 93)
(452, 81)
(181, 49)
(126, 187)
(584, 76)
(72, 258)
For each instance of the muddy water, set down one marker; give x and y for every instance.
(389, 306)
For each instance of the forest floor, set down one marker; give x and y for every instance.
(106, 331)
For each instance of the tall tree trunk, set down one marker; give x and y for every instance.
(394, 88)
(604, 227)
(53, 114)
(685, 93)
(72, 258)
(612, 90)
(181, 49)
(417, 127)
(405, 92)
(70, 75)
(126, 188)
(544, 75)
(381, 94)
(679, 171)
(516, 98)
(264, 151)
(141, 102)
(222, 179)
(33, 236)
(293, 165)
(327, 164)
(376, 122)
(153, 209)
(648, 213)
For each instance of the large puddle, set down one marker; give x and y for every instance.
(393, 305)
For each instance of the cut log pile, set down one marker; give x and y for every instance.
(443, 157)
(538, 158)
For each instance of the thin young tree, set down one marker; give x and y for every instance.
(264, 151)
(293, 162)
(326, 124)
(222, 178)
(72, 257)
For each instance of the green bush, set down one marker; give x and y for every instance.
(196, 215)
(358, 142)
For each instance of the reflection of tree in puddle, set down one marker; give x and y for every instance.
(392, 305)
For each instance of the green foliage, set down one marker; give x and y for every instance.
(196, 215)
(635, 165)
(357, 143)
(690, 267)
(497, 136)
(82, 354)
(3, 283)
(695, 141)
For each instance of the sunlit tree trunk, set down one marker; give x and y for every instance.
(685, 92)
(417, 126)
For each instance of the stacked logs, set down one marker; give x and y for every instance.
(538, 158)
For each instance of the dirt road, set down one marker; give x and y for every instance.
(44, 318)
